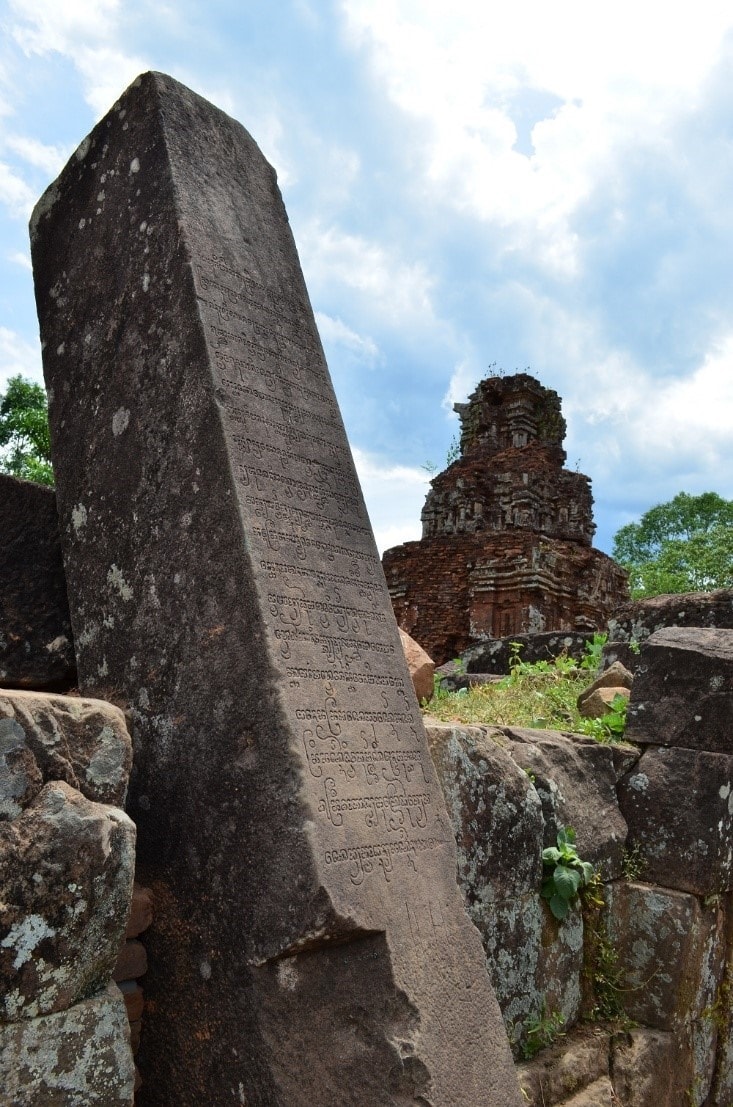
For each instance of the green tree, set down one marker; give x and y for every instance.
(685, 545)
(25, 444)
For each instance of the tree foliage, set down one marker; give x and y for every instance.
(25, 444)
(685, 545)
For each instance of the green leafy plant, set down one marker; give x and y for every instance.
(591, 659)
(633, 863)
(542, 1032)
(615, 717)
(565, 873)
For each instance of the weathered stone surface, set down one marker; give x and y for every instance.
(494, 655)
(598, 1094)
(422, 669)
(132, 961)
(82, 741)
(575, 779)
(20, 777)
(141, 911)
(645, 1065)
(560, 964)
(507, 531)
(671, 950)
(309, 942)
(77, 1057)
(497, 821)
(565, 1068)
(36, 649)
(615, 676)
(134, 999)
(66, 869)
(683, 693)
(678, 804)
(597, 703)
(637, 620)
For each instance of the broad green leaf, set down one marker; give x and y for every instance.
(567, 881)
(559, 907)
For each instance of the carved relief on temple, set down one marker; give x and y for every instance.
(507, 532)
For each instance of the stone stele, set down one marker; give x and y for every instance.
(310, 944)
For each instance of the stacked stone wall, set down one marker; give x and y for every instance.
(67, 848)
(635, 982)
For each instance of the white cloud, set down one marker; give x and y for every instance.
(394, 496)
(400, 293)
(619, 76)
(88, 33)
(19, 258)
(464, 379)
(51, 159)
(15, 194)
(335, 332)
(18, 356)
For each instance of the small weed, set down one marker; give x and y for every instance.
(633, 863)
(565, 873)
(543, 1032)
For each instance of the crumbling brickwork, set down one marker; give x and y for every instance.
(507, 532)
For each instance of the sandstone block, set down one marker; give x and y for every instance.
(683, 693)
(36, 647)
(598, 1094)
(560, 964)
(575, 779)
(310, 943)
(645, 1068)
(66, 869)
(671, 949)
(141, 911)
(134, 999)
(574, 1062)
(615, 676)
(82, 741)
(132, 961)
(678, 804)
(80, 1056)
(597, 703)
(637, 620)
(421, 666)
(497, 821)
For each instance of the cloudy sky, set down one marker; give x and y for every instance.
(471, 184)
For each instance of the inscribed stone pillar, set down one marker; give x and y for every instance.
(309, 945)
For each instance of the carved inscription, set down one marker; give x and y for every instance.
(326, 598)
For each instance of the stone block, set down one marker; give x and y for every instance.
(671, 950)
(569, 1066)
(597, 703)
(82, 741)
(495, 654)
(494, 811)
(66, 870)
(134, 999)
(560, 964)
(598, 1094)
(141, 911)
(421, 666)
(77, 1056)
(36, 646)
(575, 779)
(683, 691)
(497, 821)
(678, 804)
(645, 1067)
(310, 942)
(132, 961)
(638, 620)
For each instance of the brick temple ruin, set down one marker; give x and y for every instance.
(507, 532)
